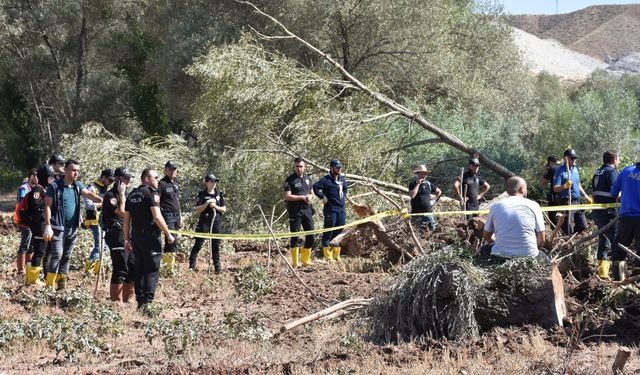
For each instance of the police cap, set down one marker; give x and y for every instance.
(171, 165)
(335, 163)
(570, 153)
(211, 177)
(474, 161)
(56, 159)
(122, 172)
(108, 173)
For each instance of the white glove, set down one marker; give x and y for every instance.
(48, 233)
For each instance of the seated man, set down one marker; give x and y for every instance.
(516, 222)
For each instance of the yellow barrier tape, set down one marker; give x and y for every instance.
(378, 216)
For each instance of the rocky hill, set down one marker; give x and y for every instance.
(605, 32)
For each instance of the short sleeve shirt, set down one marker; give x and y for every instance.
(139, 203)
(71, 198)
(208, 214)
(472, 184)
(297, 186)
(169, 196)
(422, 201)
(515, 221)
(561, 177)
(110, 219)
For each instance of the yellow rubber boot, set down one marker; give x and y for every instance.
(96, 266)
(61, 282)
(51, 279)
(33, 275)
(294, 256)
(306, 256)
(326, 251)
(169, 261)
(603, 269)
(336, 254)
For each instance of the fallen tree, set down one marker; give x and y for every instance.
(396, 108)
(449, 294)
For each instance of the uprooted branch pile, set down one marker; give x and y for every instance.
(447, 294)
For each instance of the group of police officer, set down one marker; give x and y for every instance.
(133, 224)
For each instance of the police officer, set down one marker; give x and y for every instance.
(628, 185)
(601, 184)
(420, 190)
(170, 208)
(35, 203)
(143, 225)
(100, 186)
(332, 189)
(113, 207)
(471, 183)
(57, 162)
(210, 205)
(298, 194)
(566, 181)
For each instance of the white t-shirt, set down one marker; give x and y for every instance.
(515, 221)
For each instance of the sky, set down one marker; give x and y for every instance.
(549, 6)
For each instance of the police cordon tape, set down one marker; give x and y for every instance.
(378, 216)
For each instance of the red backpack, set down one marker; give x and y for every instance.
(21, 216)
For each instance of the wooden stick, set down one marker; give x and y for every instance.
(286, 261)
(359, 302)
(621, 359)
(629, 251)
(99, 275)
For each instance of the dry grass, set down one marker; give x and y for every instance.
(323, 347)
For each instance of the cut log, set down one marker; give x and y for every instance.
(539, 300)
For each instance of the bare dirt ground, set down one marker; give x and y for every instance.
(204, 324)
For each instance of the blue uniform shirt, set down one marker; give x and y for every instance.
(561, 177)
(334, 189)
(628, 183)
(602, 182)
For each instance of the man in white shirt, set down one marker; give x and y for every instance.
(515, 226)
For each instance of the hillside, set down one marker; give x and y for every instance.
(603, 32)
(552, 57)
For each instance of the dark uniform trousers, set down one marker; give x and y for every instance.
(38, 248)
(123, 261)
(215, 245)
(578, 219)
(301, 217)
(147, 250)
(332, 218)
(472, 206)
(628, 230)
(173, 220)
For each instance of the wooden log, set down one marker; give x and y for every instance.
(621, 359)
(356, 302)
(543, 303)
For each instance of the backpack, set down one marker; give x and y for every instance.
(21, 216)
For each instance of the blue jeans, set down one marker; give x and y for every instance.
(62, 246)
(25, 240)
(602, 218)
(332, 218)
(95, 252)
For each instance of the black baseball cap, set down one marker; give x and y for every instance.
(211, 177)
(335, 163)
(56, 159)
(570, 153)
(552, 159)
(171, 165)
(122, 172)
(108, 173)
(474, 161)
(46, 170)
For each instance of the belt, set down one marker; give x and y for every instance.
(602, 194)
(171, 214)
